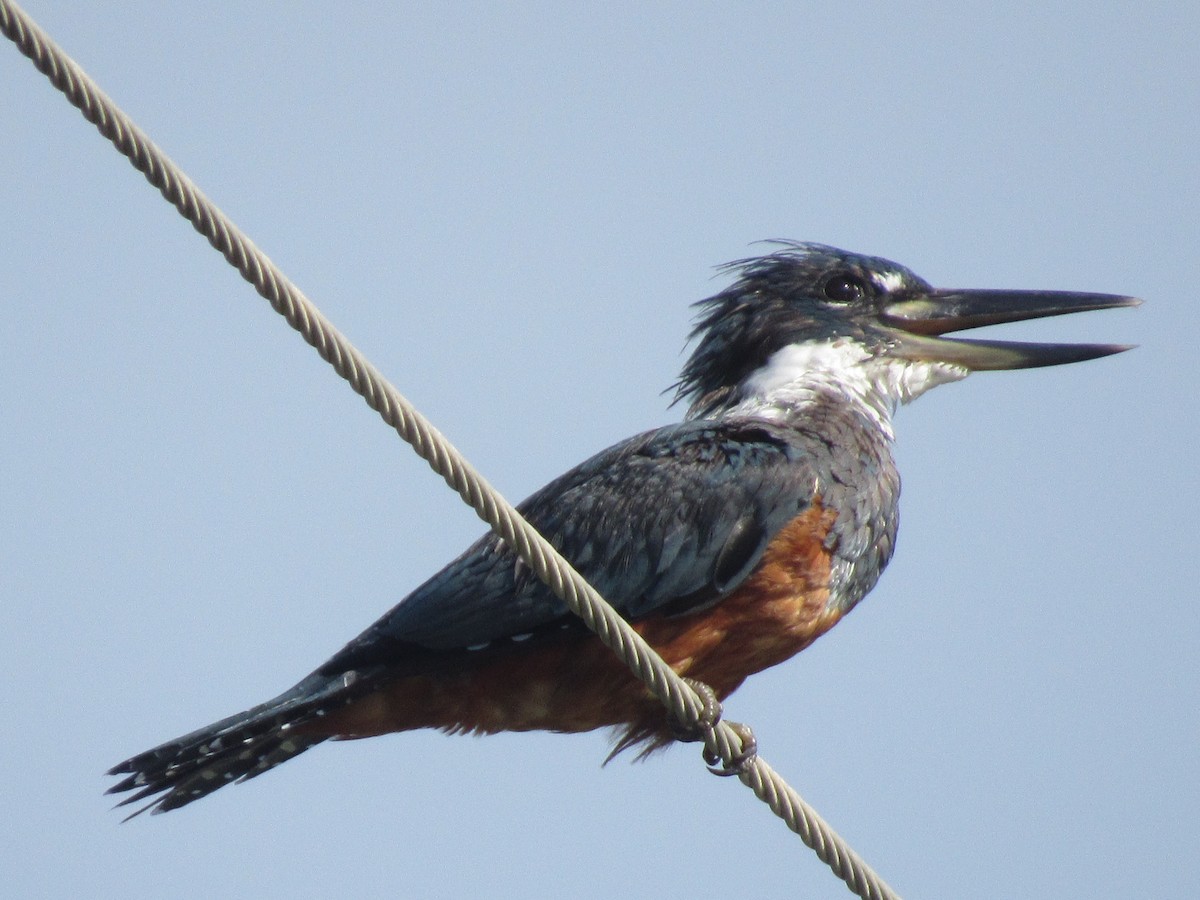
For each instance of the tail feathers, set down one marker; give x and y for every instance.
(238, 748)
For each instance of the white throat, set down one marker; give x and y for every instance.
(801, 374)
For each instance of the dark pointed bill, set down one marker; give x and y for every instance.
(919, 321)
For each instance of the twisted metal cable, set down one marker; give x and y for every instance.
(286, 299)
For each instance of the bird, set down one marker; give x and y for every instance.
(730, 540)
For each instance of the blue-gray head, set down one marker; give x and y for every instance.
(809, 313)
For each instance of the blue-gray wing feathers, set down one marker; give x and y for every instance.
(664, 523)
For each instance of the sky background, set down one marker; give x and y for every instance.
(509, 208)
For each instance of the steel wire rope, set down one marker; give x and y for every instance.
(286, 299)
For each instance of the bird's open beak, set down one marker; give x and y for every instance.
(918, 322)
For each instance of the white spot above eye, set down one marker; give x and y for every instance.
(888, 281)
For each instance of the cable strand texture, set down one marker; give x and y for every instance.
(286, 299)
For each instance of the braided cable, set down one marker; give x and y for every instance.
(286, 299)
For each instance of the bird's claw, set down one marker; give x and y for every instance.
(742, 760)
(710, 715)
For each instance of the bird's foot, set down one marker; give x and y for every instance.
(710, 715)
(742, 760)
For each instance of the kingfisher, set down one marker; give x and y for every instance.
(730, 541)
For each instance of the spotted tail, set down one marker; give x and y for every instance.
(238, 748)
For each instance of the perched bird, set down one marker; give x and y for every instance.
(730, 541)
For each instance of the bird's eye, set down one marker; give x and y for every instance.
(845, 288)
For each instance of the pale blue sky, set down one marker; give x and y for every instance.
(509, 209)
